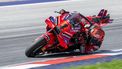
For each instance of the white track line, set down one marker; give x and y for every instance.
(113, 52)
(45, 3)
(25, 66)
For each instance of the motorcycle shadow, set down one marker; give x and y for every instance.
(70, 54)
(63, 54)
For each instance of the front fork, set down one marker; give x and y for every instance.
(53, 38)
(49, 39)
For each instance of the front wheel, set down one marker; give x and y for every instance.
(35, 48)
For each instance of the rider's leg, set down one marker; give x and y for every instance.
(91, 47)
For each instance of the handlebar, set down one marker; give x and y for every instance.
(56, 12)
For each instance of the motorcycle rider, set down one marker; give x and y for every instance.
(93, 34)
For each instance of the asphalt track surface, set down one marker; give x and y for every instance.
(20, 25)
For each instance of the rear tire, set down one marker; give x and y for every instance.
(36, 48)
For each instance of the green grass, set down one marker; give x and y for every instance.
(115, 64)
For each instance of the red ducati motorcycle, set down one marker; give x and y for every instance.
(59, 37)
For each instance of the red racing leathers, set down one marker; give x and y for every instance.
(93, 34)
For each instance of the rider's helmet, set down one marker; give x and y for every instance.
(77, 19)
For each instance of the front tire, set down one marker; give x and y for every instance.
(35, 48)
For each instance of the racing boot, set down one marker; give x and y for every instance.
(82, 49)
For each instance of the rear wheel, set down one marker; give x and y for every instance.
(35, 49)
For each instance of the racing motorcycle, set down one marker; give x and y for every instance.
(59, 37)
